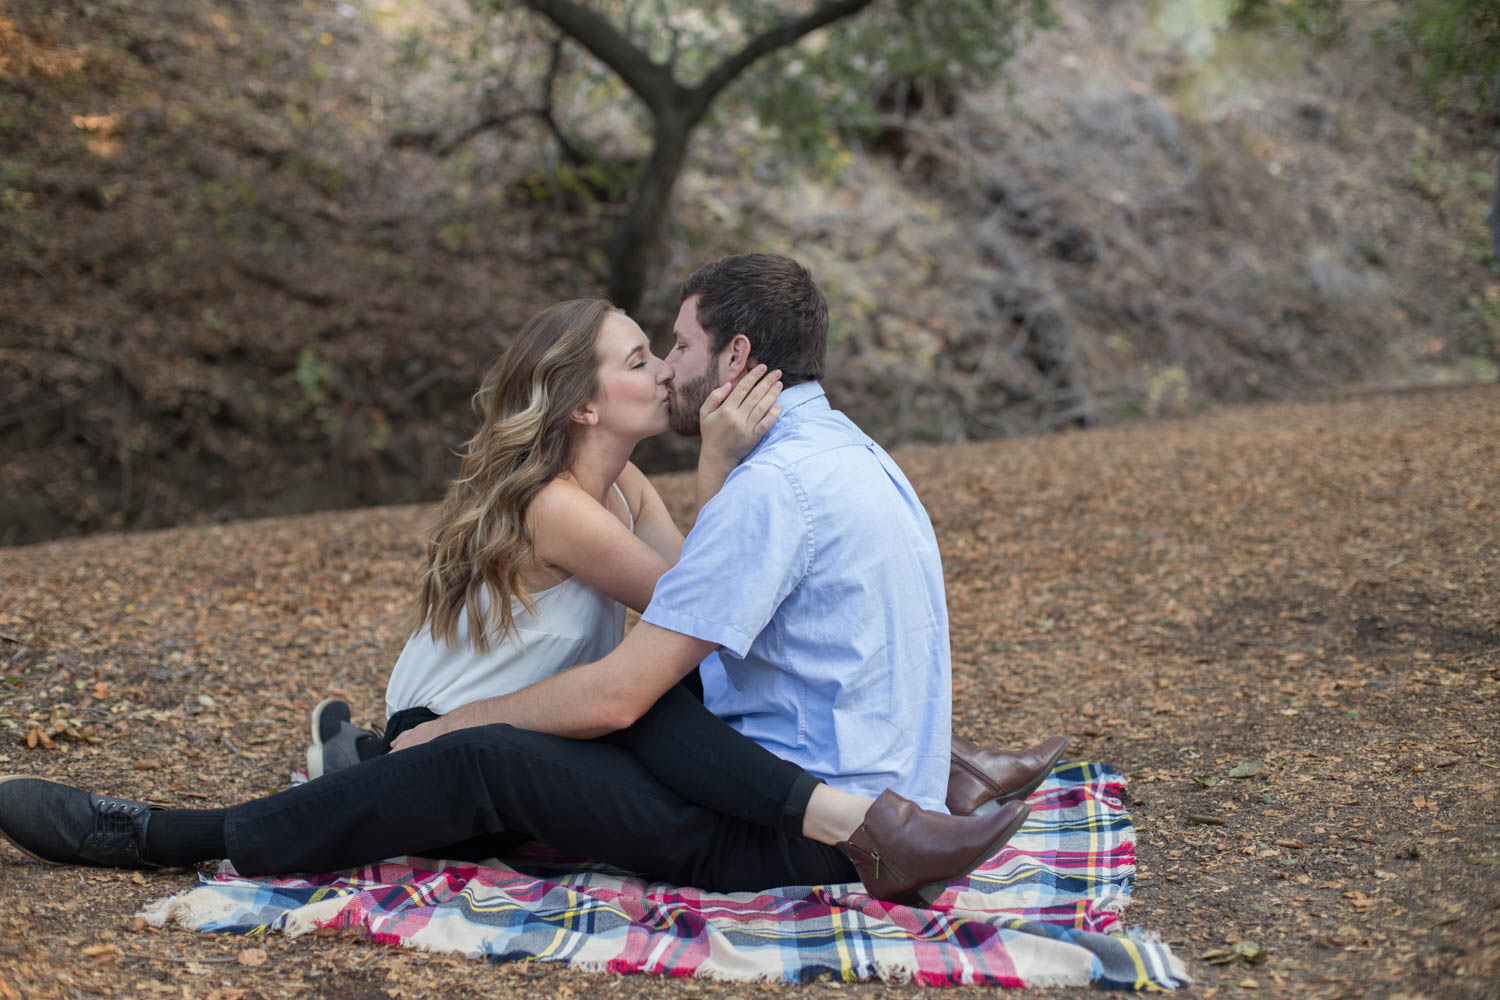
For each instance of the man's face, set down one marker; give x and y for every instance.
(695, 372)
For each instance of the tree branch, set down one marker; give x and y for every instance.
(491, 122)
(543, 113)
(570, 152)
(651, 82)
(776, 37)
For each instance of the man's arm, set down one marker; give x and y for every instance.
(589, 700)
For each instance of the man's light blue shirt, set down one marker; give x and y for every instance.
(816, 570)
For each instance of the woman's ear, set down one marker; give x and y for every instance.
(734, 361)
(587, 415)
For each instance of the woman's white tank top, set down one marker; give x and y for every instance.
(573, 624)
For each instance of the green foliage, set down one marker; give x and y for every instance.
(312, 375)
(1451, 46)
(801, 99)
(604, 182)
(797, 82)
(1456, 44)
(1324, 21)
(1481, 316)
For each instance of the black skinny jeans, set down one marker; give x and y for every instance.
(710, 809)
(697, 755)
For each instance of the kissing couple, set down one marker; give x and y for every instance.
(781, 715)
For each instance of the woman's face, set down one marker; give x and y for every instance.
(632, 399)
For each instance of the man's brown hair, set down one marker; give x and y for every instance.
(772, 300)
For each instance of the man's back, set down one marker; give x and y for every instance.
(834, 633)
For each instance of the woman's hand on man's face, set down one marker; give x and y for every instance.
(735, 417)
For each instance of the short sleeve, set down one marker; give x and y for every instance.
(749, 549)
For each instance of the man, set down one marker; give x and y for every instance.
(815, 576)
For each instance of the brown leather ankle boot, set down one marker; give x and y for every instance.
(907, 854)
(981, 780)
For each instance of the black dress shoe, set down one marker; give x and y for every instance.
(67, 826)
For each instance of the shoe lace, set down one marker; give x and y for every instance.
(114, 826)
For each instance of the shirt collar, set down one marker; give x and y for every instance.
(804, 398)
(800, 395)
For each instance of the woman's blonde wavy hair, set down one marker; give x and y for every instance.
(525, 438)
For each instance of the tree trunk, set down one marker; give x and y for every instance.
(1494, 216)
(675, 111)
(635, 243)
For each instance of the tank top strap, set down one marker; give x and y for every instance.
(628, 514)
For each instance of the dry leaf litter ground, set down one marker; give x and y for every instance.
(1281, 621)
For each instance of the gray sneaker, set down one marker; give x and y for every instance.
(334, 739)
(68, 826)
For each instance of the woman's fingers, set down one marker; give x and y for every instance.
(748, 381)
(764, 394)
(767, 419)
(714, 400)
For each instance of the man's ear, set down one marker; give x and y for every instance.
(735, 359)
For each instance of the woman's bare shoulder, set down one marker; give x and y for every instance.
(560, 498)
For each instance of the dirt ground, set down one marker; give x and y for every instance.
(1307, 596)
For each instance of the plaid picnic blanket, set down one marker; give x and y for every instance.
(1045, 911)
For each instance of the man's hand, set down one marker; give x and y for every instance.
(417, 735)
(588, 700)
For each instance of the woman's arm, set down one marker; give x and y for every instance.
(653, 522)
(732, 420)
(572, 531)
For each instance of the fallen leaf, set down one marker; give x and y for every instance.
(252, 957)
(1251, 952)
(1246, 769)
(1342, 937)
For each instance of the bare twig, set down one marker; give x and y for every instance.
(224, 739)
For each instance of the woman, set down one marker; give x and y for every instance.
(543, 537)
(549, 531)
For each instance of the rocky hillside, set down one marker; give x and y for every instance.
(231, 284)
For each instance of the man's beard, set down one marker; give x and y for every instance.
(686, 400)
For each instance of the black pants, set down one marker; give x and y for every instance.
(698, 756)
(679, 797)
